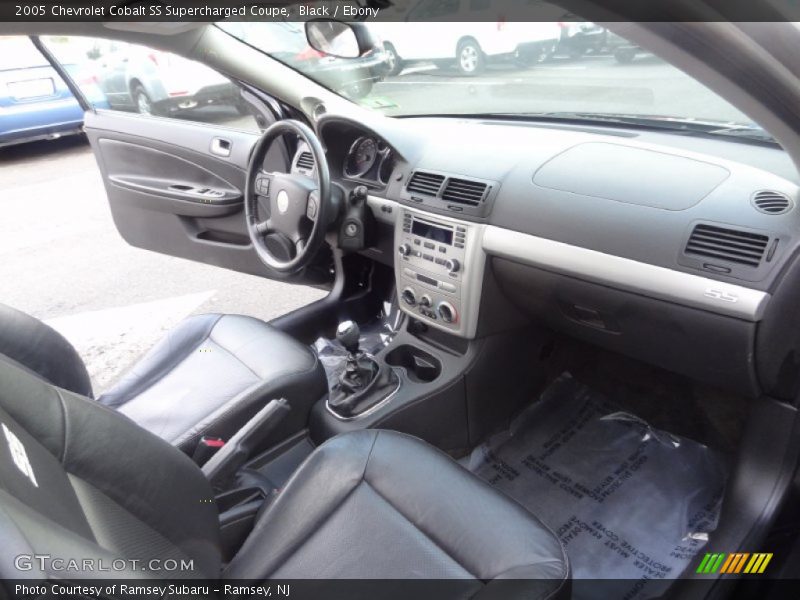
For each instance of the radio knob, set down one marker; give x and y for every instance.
(404, 249)
(452, 265)
(409, 296)
(447, 312)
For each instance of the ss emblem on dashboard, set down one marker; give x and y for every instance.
(721, 295)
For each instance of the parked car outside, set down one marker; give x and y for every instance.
(35, 102)
(159, 83)
(352, 77)
(485, 38)
(581, 37)
(624, 51)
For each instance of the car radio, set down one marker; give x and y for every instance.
(435, 271)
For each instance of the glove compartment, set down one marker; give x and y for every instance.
(709, 347)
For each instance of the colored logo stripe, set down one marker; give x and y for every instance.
(710, 563)
(735, 563)
(738, 562)
(758, 563)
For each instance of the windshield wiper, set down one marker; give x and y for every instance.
(650, 122)
(689, 126)
(745, 131)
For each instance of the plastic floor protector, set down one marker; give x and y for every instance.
(629, 503)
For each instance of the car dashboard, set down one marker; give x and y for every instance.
(661, 246)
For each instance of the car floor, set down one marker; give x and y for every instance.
(667, 401)
(624, 462)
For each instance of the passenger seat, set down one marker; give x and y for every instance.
(81, 481)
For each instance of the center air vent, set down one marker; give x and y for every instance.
(305, 161)
(422, 182)
(772, 203)
(730, 245)
(464, 191)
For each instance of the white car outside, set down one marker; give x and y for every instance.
(467, 46)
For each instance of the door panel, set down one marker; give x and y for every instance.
(172, 192)
(164, 182)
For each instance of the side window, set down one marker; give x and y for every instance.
(137, 79)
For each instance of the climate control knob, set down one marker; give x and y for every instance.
(425, 301)
(452, 265)
(409, 296)
(447, 312)
(404, 249)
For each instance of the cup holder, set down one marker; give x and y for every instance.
(421, 366)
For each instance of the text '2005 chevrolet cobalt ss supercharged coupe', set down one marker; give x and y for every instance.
(558, 355)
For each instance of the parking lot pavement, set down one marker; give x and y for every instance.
(62, 260)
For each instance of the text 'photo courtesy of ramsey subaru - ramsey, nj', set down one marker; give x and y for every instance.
(437, 299)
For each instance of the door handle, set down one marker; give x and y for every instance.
(221, 147)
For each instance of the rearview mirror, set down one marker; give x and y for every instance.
(333, 38)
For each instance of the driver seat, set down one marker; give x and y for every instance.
(207, 377)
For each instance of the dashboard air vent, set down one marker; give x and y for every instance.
(422, 182)
(305, 161)
(730, 245)
(772, 203)
(464, 191)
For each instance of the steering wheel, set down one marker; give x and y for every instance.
(299, 206)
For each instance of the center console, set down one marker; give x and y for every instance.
(439, 270)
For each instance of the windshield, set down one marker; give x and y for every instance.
(570, 69)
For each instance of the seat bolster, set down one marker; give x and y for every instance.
(68, 436)
(439, 496)
(488, 535)
(161, 359)
(181, 395)
(40, 349)
(318, 487)
(139, 472)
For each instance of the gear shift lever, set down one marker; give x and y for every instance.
(364, 380)
(347, 335)
(359, 370)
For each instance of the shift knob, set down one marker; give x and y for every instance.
(347, 334)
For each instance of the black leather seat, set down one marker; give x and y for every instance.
(385, 505)
(208, 376)
(78, 480)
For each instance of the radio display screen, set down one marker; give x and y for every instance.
(437, 234)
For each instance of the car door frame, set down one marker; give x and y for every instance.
(149, 214)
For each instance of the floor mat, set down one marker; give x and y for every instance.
(629, 502)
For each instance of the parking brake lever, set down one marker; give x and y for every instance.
(221, 467)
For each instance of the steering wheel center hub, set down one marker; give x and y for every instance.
(283, 202)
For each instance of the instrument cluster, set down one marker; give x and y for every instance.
(369, 160)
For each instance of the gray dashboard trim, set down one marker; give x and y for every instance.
(630, 275)
(383, 210)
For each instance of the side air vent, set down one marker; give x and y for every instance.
(464, 191)
(731, 245)
(771, 203)
(422, 182)
(305, 161)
